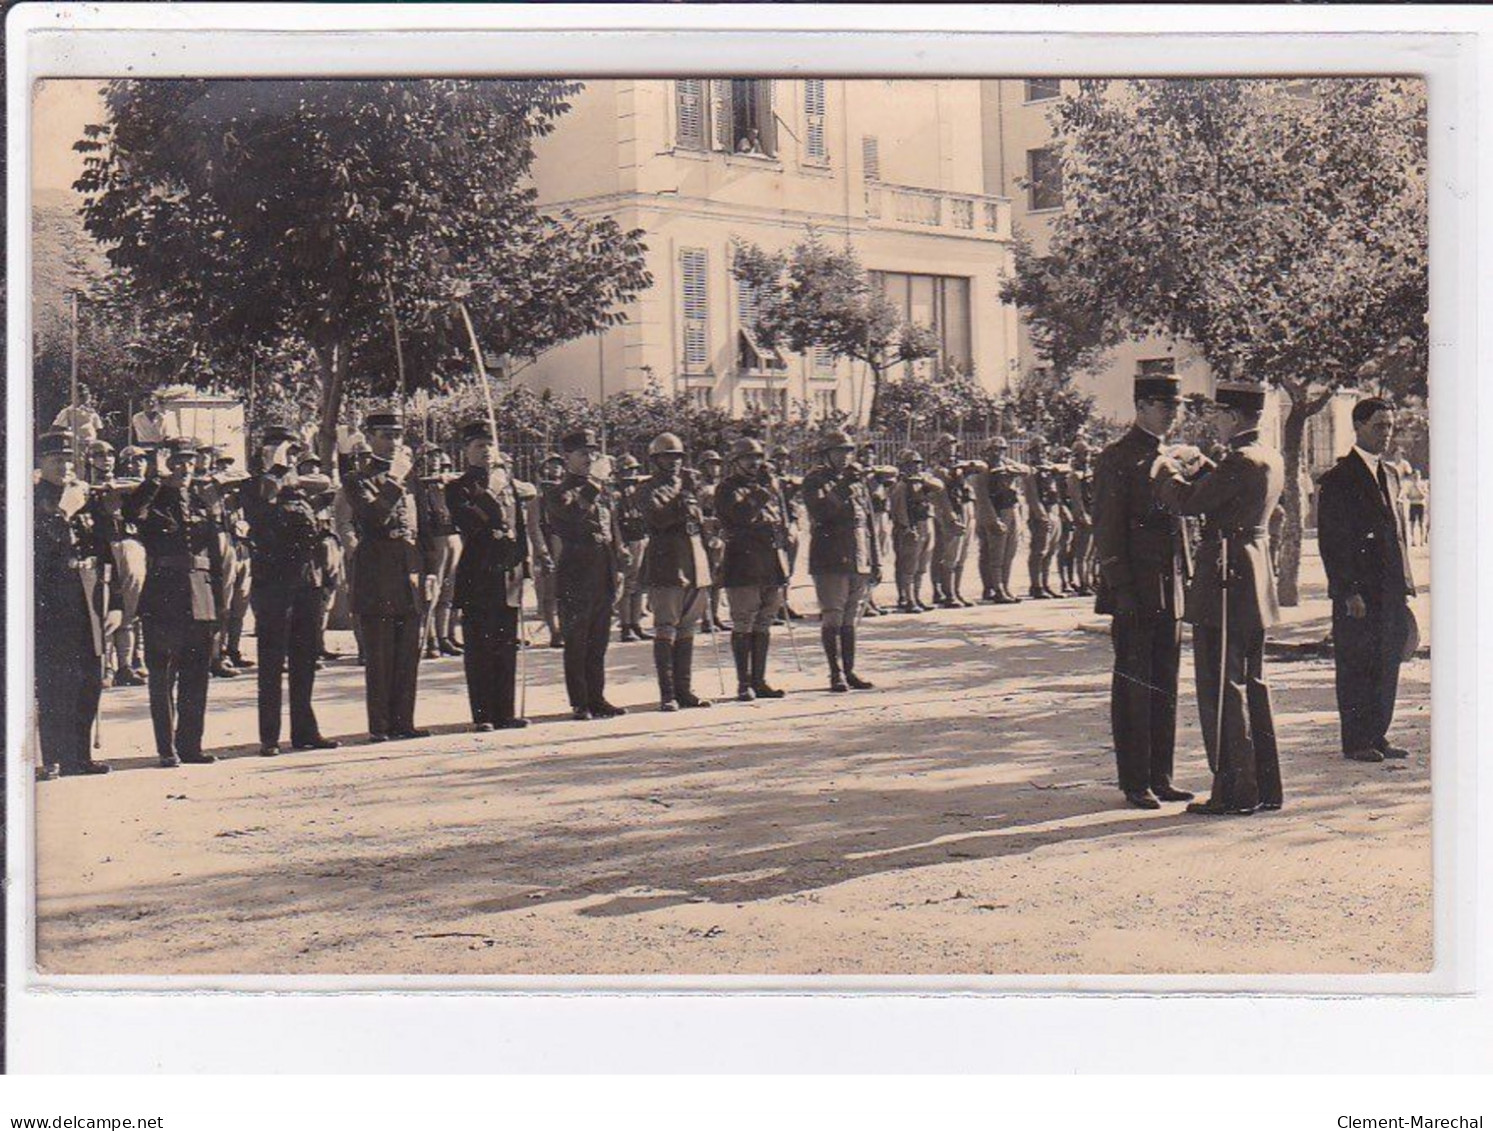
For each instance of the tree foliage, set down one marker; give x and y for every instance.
(1071, 322)
(264, 212)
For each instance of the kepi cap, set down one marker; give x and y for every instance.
(580, 438)
(1247, 395)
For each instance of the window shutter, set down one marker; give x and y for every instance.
(694, 288)
(720, 115)
(814, 111)
(824, 360)
(767, 116)
(689, 108)
(871, 158)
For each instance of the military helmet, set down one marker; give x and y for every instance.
(909, 455)
(1080, 446)
(666, 443)
(100, 447)
(947, 439)
(628, 463)
(709, 455)
(838, 438)
(746, 446)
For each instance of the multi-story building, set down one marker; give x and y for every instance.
(1021, 163)
(893, 167)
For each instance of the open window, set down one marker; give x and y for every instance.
(752, 355)
(726, 115)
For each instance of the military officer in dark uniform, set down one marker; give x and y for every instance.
(676, 569)
(484, 504)
(285, 539)
(754, 566)
(71, 569)
(1361, 533)
(1231, 601)
(582, 514)
(1143, 565)
(181, 601)
(388, 582)
(842, 554)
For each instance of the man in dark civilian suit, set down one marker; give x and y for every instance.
(388, 585)
(181, 601)
(1143, 567)
(484, 506)
(582, 513)
(1231, 600)
(1361, 535)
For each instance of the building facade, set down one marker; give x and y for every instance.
(894, 168)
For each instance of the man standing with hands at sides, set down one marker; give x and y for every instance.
(1361, 534)
(285, 532)
(1143, 566)
(388, 585)
(582, 514)
(842, 554)
(180, 602)
(1231, 601)
(754, 570)
(483, 503)
(676, 568)
(634, 531)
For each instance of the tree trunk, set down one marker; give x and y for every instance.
(333, 383)
(1303, 408)
(873, 414)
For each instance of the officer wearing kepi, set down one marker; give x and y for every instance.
(285, 535)
(388, 584)
(842, 554)
(484, 505)
(1143, 567)
(754, 566)
(582, 510)
(1232, 601)
(181, 602)
(71, 568)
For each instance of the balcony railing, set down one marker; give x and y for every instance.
(972, 215)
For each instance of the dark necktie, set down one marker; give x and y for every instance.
(1384, 486)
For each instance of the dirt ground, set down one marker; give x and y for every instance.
(959, 819)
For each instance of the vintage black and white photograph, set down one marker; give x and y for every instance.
(731, 526)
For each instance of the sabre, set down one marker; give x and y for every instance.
(98, 714)
(715, 645)
(1223, 648)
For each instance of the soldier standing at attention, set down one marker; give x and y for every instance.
(127, 556)
(485, 507)
(388, 584)
(676, 569)
(70, 567)
(780, 465)
(634, 533)
(1231, 601)
(1143, 565)
(544, 546)
(285, 532)
(912, 526)
(181, 602)
(711, 466)
(754, 571)
(842, 554)
(582, 513)
(440, 543)
(952, 512)
(1043, 520)
(1081, 503)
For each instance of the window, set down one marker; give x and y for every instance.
(751, 354)
(726, 115)
(937, 301)
(871, 158)
(826, 403)
(1040, 90)
(774, 402)
(815, 150)
(1044, 174)
(694, 289)
(823, 361)
(1156, 367)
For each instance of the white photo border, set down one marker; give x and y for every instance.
(274, 1022)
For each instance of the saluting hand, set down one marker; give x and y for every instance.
(74, 497)
(402, 464)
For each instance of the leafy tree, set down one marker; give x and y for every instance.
(1047, 405)
(1279, 226)
(264, 211)
(1070, 321)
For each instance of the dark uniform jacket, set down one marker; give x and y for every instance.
(433, 511)
(581, 513)
(1234, 499)
(630, 522)
(388, 566)
(1140, 545)
(64, 546)
(676, 557)
(285, 536)
(1360, 535)
(842, 539)
(750, 510)
(495, 540)
(183, 538)
(912, 500)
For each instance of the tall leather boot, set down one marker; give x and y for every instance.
(829, 636)
(761, 643)
(684, 668)
(663, 666)
(741, 651)
(847, 654)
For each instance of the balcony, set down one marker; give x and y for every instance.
(970, 215)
